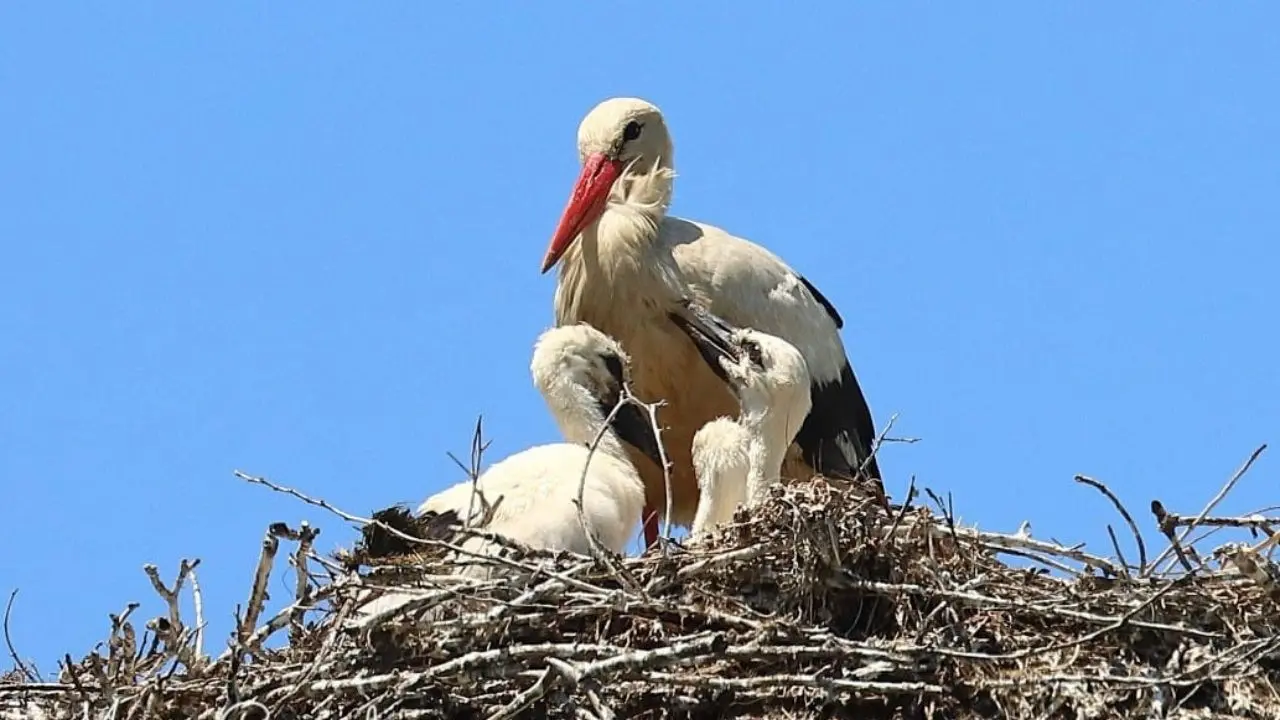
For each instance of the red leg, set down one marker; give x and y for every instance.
(650, 528)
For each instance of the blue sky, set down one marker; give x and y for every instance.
(304, 243)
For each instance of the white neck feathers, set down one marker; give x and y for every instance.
(619, 263)
(578, 415)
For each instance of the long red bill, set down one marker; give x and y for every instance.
(590, 193)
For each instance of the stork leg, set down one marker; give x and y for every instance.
(650, 528)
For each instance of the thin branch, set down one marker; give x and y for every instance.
(197, 599)
(258, 595)
(305, 536)
(651, 410)
(527, 697)
(598, 551)
(172, 631)
(875, 448)
(1243, 521)
(1115, 545)
(8, 640)
(478, 446)
(623, 399)
(748, 624)
(1124, 513)
(1230, 484)
(1168, 530)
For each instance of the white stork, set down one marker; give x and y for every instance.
(581, 374)
(529, 497)
(737, 461)
(633, 265)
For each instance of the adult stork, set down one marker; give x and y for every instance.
(625, 264)
(738, 460)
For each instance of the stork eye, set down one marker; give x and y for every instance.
(754, 352)
(632, 131)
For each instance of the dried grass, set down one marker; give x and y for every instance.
(815, 604)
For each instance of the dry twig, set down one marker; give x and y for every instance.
(170, 629)
(1175, 545)
(1124, 513)
(813, 602)
(8, 641)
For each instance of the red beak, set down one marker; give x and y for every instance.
(590, 193)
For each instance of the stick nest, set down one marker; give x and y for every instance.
(814, 604)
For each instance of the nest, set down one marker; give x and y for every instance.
(813, 604)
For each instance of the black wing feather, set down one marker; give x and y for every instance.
(838, 407)
(826, 304)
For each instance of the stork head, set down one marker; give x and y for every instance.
(582, 373)
(768, 374)
(770, 378)
(618, 135)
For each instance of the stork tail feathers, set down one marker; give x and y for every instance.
(838, 436)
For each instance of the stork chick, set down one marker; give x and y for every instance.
(737, 461)
(529, 497)
(627, 268)
(581, 374)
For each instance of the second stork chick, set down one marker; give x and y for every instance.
(529, 496)
(736, 461)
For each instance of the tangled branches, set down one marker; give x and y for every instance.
(814, 603)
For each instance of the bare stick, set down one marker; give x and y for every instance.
(1002, 542)
(866, 462)
(492, 537)
(596, 547)
(651, 409)
(305, 536)
(1115, 544)
(358, 520)
(121, 636)
(478, 446)
(1243, 521)
(1231, 483)
(173, 632)
(8, 640)
(73, 672)
(902, 511)
(996, 602)
(641, 659)
(831, 685)
(197, 599)
(258, 594)
(1162, 522)
(586, 465)
(527, 697)
(318, 503)
(1133, 526)
(278, 621)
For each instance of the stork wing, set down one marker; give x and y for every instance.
(748, 286)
